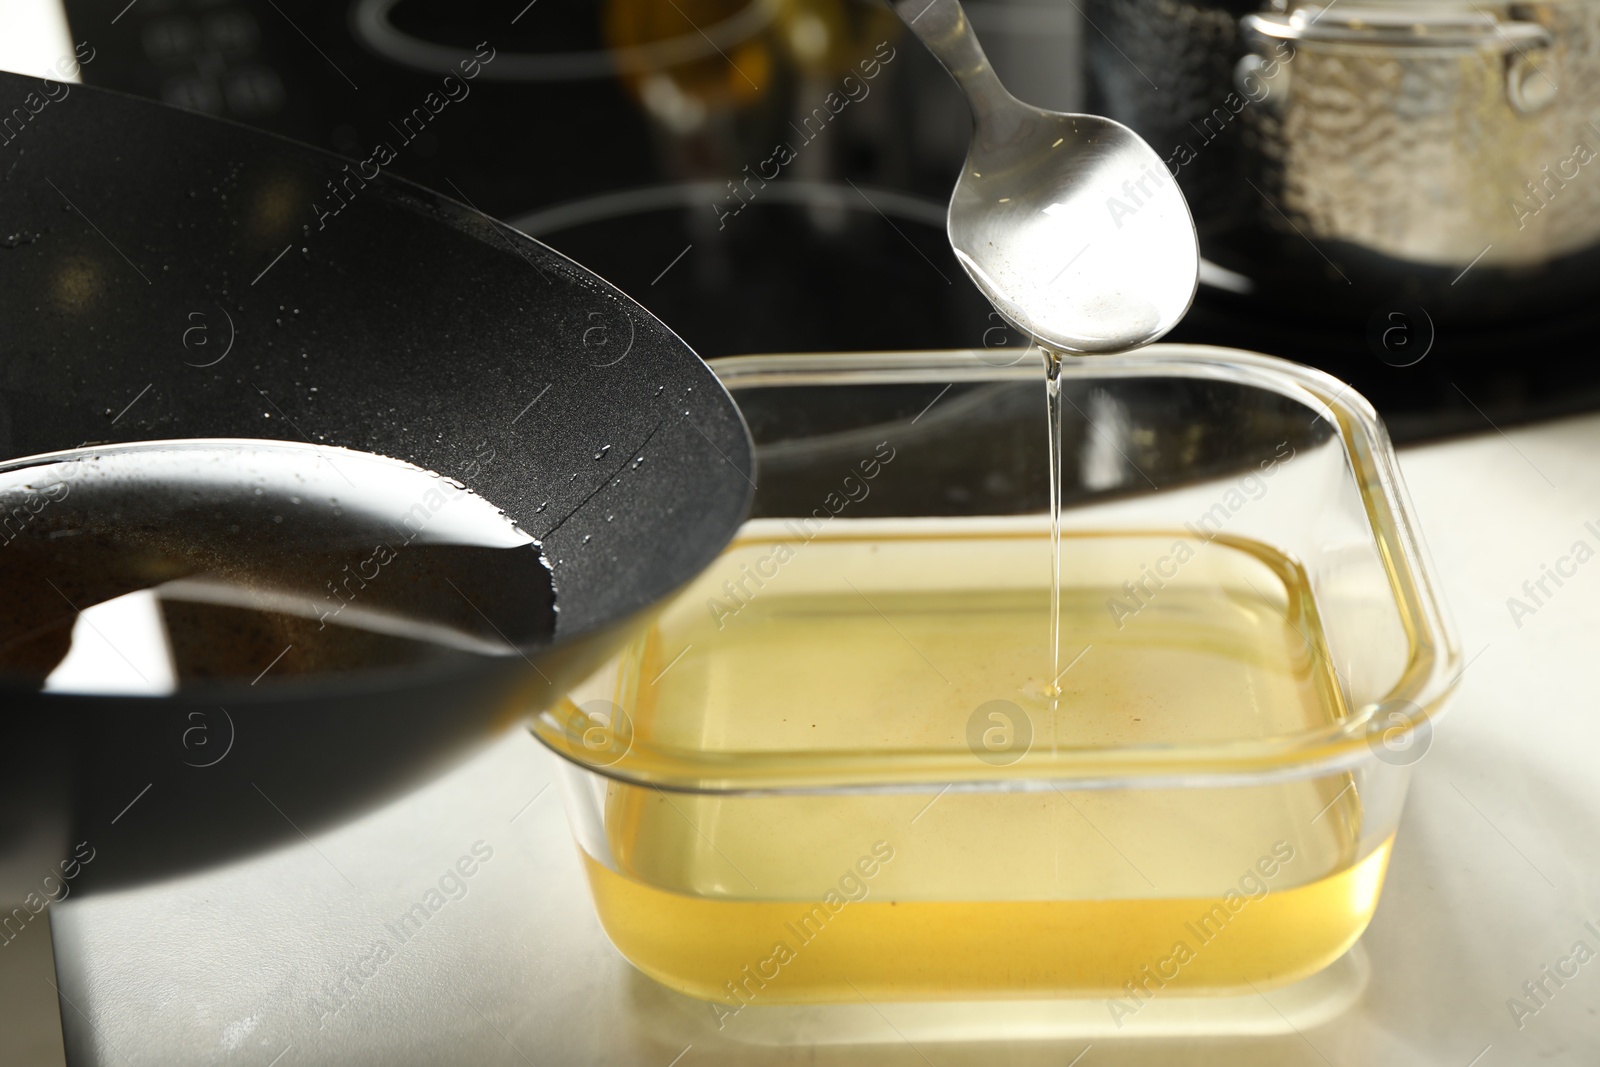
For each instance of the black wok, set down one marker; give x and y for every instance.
(170, 276)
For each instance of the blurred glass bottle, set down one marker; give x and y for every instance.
(721, 79)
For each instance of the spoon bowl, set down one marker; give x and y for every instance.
(1069, 224)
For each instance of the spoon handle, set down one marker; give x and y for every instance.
(943, 27)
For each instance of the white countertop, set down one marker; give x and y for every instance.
(1495, 871)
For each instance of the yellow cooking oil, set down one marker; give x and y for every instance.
(912, 639)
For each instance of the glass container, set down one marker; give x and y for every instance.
(844, 762)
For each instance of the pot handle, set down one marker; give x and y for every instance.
(1386, 27)
(1528, 88)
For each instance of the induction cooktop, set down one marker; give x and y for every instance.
(764, 177)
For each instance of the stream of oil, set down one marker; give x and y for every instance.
(1052, 389)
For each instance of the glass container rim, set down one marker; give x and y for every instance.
(1433, 660)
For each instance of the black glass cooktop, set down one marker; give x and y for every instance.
(764, 177)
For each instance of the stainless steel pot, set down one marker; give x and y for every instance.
(1446, 152)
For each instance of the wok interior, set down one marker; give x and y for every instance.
(183, 285)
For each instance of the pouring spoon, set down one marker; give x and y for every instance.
(1069, 224)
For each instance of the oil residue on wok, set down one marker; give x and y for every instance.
(152, 567)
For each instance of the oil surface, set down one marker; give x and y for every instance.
(147, 568)
(893, 638)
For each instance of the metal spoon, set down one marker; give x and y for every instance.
(1069, 224)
